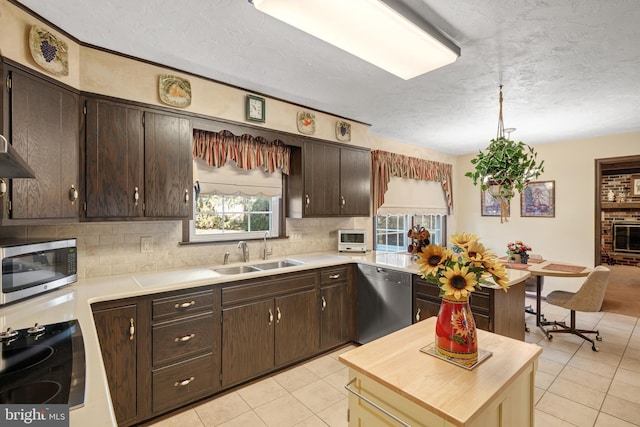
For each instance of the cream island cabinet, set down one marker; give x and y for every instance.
(393, 383)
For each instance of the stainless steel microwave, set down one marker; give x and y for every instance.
(30, 268)
(352, 241)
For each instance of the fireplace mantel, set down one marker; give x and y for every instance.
(618, 206)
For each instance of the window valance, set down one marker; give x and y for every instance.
(386, 164)
(248, 152)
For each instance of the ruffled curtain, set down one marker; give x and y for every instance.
(217, 148)
(385, 165)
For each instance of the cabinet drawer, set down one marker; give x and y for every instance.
(181, 304)
(182, 338)
(332, 275)
(424, 288)
(267, 287)
(480, 301)
(482, 321)
(183, 382)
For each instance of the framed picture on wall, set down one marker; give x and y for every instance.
(490, 205)
(635, 185)
(538, 200)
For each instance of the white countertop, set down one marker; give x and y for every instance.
(74, 302)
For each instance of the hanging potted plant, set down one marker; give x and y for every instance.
(504, 167)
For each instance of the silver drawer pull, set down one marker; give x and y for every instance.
(324, 303)
(418, 315)
(184, 338)
(183, 382)
(186, 304)
(334, 276)
(384, 411)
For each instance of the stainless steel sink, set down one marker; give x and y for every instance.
(238, 269)
(277, 264)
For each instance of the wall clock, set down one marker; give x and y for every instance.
(256, 110)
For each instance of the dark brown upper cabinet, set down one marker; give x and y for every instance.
(137, 163)
(328, 180)
(41, 121)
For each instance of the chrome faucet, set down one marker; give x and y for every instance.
(265, 251)
(245, 250)
(226, 258)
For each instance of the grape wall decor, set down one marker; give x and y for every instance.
(48, 52)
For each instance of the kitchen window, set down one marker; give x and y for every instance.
(235, 204)
(392, 230)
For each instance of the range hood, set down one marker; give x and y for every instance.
(11, 164)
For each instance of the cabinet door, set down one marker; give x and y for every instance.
(355, 182)
(119, 355)
(44, 130)
(333, 315)
(114, 150)
(297, 326)
(247, 341)
(425, 308)
(168, 166)
(321, 179)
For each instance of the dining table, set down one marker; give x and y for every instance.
(540, 268)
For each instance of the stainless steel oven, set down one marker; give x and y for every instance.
(30, 268)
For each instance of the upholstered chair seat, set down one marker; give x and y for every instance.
(587, 299)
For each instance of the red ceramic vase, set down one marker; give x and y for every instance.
(456, 337)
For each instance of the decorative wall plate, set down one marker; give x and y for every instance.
(49, 53)
(343, 131)
(174, 91)
(306, 122)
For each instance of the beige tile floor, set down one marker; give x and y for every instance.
(575, 386)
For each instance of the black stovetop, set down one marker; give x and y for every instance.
(43, 365)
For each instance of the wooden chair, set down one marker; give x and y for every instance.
(587, 299)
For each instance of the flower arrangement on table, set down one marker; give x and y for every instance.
(458, 272)
(461, 269)
(419, 239)
(518, 248)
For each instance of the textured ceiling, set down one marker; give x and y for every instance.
(570, 68)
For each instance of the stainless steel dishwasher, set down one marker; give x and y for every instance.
(384, 302)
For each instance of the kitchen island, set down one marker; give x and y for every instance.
(397, 384)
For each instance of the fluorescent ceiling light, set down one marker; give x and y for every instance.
(370, 30)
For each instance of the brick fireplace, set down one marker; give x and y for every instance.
(624, 211)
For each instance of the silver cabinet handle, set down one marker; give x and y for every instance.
(418, 315)
(278, 315)
(342, 201)
(185, 304)
(136, 195)
(184, 338)
(334, 276)
(324, 303)
(307, 200)
(384, 411)
(183, 382)
(186, 196)
(73, 194)
(132, 329)
(270, 317)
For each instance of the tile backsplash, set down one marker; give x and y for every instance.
(106, 249)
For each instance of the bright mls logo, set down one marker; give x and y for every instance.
(34, 415)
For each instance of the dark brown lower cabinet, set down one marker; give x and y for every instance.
(124, 344)
(334, 307)
(494, 310)
(247, 341)
(167, 350)
(268, 323)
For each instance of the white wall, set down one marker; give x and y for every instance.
(569, 236)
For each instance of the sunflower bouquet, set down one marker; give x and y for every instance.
(463, 268)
